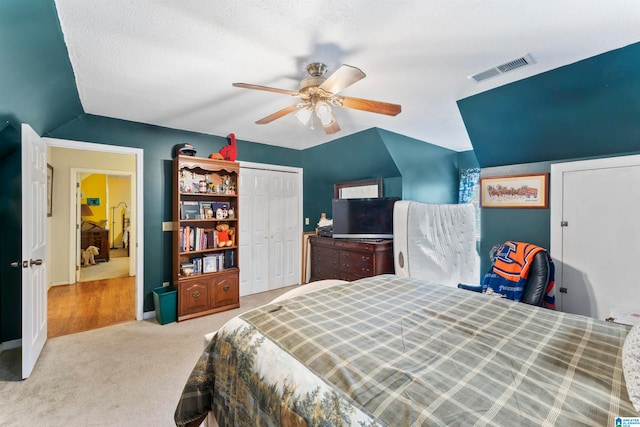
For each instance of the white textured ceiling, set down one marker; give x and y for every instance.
(172, 62)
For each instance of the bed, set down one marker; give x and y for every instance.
(396, 350)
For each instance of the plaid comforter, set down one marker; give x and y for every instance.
(396, 351)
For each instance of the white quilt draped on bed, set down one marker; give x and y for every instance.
(436, 243)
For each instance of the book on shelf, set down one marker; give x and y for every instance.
(206, 210)
(190, 210)
(197, 238)
(187, 239)
(197, 265)
(229, 258)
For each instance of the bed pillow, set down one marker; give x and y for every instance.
(631, 365)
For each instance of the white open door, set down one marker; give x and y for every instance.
(34, 250)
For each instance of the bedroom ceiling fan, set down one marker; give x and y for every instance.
(318, 94)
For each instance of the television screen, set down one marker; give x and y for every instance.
(363, 218)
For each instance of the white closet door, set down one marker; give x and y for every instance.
(270, 224)
(597, 249)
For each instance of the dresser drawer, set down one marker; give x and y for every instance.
(357, 263)
(320, 252)
(324, 272)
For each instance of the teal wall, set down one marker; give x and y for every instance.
(589, 108)
(583, 110)
(359, 156)
(467, 160)
(522, 225)
(37, 85)
(429, 172)
(411, 169)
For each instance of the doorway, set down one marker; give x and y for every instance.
(104, 225)
(66, 155)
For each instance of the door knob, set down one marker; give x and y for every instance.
(15, 264)
(36, 262)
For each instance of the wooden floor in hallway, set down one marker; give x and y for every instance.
(90, 305)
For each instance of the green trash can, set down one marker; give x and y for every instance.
(165, 299)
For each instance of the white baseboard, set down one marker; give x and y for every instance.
(149, 315)
(51, 285)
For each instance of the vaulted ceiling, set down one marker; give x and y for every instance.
(173, 63)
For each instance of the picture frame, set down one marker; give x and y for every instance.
(49, 190)
(363, 188)
(305, 267)
(515, 191)
(209, 264)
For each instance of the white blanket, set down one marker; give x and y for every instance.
(435, 242)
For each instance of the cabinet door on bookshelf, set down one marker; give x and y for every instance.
(226, 290)
(193, 296)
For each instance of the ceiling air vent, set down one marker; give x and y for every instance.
(503, 68)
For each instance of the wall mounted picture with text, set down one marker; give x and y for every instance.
(516, 191)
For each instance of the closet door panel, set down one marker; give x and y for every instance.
(254, 246)
(277, 225)
(594, 235)
(600, 242)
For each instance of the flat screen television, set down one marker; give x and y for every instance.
(363, 218)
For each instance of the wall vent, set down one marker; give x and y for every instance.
(523, 61)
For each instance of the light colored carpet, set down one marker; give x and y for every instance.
(130, 374)
(116, 267)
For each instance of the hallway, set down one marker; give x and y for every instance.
(117, 266)
(90, 305)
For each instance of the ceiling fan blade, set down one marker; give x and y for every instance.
(371, 106)
(342, 78)
(331, 128)
(278, 114)
(266, 88)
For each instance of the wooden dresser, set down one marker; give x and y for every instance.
(348, 259)
(98, 237)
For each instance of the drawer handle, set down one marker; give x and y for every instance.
(195, 294)
(226, 288)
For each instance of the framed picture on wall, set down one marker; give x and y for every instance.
(363, 188)
(515, 191)
(49, 190)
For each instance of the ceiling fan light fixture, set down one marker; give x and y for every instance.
(304, 114)
(318, 93)
(323, 110)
